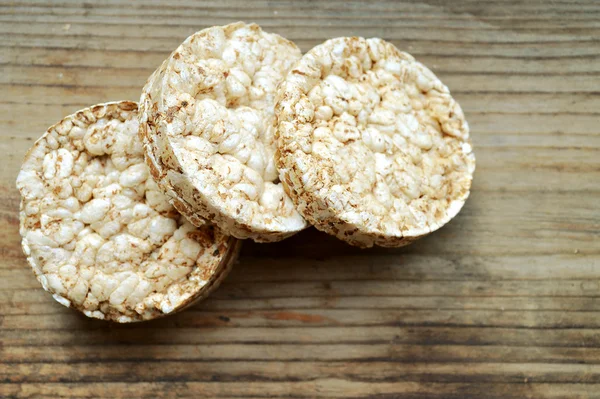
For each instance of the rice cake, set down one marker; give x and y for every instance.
(372, 148)
(97, 231)
(207, 122)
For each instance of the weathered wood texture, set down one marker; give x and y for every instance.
(502, 302)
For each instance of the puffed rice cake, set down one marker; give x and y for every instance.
(372, 148)
(207, 122)
(97, 231)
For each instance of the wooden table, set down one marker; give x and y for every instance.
(503, 302)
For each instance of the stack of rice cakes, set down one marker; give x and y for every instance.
(129, 215)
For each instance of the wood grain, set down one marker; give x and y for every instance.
(501, 303)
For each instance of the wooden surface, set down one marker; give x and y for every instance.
(502, 302)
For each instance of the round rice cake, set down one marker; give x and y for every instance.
(371, 146)
(208, 126)
(97, 231)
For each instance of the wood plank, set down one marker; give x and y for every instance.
(157, 28)
(95, 333)
(439, 63)
(500, 103)
(417, 9)
(395, 353)
(44, 305)
(259, 267)
(227, 371)
(325, 387)
(22, 279)
(333, 317)
(460, 82)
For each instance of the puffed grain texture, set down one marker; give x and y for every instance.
(372, 148)
(207, 123)
(97, 231)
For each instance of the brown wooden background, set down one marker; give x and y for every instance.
(503, 302)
